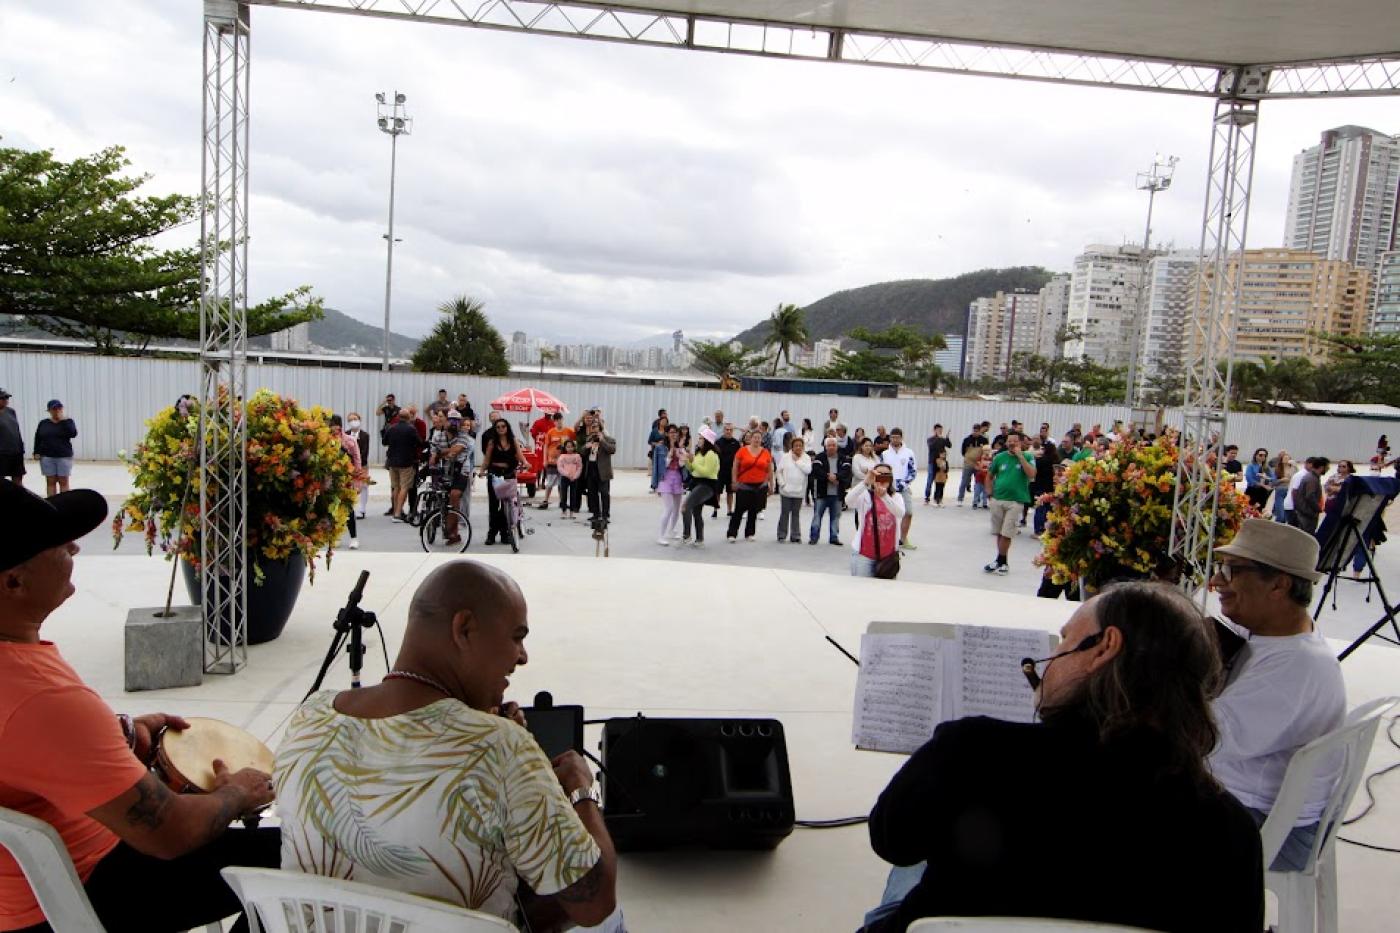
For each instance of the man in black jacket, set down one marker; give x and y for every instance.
(831, 477)
(727, 445)
(1104, 811)
(937, 444)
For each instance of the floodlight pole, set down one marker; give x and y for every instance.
(1158, 178)
(1210, 329)
(394, 120)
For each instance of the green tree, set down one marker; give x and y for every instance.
(1370, 364)
(719, 360)
(546, 356)
(463, 342)
(1087, 383)
(787, 327)
(76, 257)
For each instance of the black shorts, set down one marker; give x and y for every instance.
(12, 464)
(724, 484)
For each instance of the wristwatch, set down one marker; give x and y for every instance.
(591, 792)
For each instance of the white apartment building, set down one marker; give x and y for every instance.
(1103, 300)
(951, 359)
(1171, 292)
(1344, 196)
(998, 328)
(294, 339)
(1386, 317)
(1054, 303)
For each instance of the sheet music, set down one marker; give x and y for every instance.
(899, 691)
(990, 677)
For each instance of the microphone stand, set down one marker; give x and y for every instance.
(349, 622)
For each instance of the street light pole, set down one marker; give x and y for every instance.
(394, 120)
(1158, 178)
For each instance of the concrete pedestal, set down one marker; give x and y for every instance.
(164, 651)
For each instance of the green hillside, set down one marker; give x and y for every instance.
(934, 306)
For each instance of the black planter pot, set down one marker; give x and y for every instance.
(269, 604)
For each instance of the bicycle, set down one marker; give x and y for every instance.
(440, 517)
(507, 492)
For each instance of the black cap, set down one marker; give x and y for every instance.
(31, 525)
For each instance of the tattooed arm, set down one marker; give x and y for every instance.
(155, 821)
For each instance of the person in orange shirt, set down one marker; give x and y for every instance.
(554, 440)
(753, 481)
(148, 858)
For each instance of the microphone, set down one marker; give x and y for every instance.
(544, 700)
(358, 591)
(1028, 668)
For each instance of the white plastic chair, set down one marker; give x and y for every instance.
(47, 867)
(293, 902)
(1014, 925)
(1307, 899)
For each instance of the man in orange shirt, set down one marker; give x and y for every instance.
(148, 858)
(554, 440)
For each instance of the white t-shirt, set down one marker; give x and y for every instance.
(1285, 692)
(1292, 488)
(860, 465)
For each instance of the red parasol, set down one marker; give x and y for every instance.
(527, 399)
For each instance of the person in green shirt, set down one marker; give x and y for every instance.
(1009, 484)
(704, 487)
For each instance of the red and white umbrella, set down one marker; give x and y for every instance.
(527, 399)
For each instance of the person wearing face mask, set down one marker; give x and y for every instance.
(1001, 818)
(354, 431)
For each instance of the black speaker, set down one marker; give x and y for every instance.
(722, 783)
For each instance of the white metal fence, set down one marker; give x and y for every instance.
(111, 398)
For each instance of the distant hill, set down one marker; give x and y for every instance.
(338, 332)
(934, 306)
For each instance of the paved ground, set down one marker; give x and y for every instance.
(952, 543)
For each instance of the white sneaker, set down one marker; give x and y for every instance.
(697, 544)
(354, 544)
(991, 568)
(1003, 569)
(731, 539)
(664, 542)
(676, 535)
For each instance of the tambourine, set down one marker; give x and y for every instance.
(185, 758)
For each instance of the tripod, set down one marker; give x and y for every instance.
(1340, 547)
(348, 623)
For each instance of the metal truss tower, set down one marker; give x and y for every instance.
(223, 337)
(1210, 332)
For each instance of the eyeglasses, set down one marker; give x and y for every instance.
(1227, 571)
(1028, 665)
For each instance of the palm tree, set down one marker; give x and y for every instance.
(546, 356)
(787, 327)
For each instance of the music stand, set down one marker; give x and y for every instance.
(1349, 524)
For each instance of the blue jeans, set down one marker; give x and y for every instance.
(862, 566)
(898, 884)
(979, 495)
(1294, 854)
(1279, 496)
(964, 482)
(658, 470)
(826, 505)
(1040, 512)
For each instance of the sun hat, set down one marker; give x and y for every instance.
(1276, 545)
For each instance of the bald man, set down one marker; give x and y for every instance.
(427, 784)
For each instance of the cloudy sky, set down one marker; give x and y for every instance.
(605, 192)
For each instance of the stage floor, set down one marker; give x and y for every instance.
(621, 636)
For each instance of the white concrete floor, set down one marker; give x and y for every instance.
(690, 635)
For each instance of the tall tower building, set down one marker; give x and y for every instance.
(998, 328)
(1344, 196)
(1171, 290)
(1386, 318)
(1103, 300)
(1054, 302)
(1287, 298)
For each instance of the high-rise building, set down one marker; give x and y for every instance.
(1171, 293)
(1103, 303)
(1386, 317)
(1054, 302)
(1287, 298)
(998, 328)
(1344, 196)
(294, 339)
(951, 359)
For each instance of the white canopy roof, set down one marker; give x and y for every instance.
(1205, 32)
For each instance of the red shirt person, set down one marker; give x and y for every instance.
(67, 759)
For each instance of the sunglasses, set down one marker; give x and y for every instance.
(1028, 665)
(1227, 572)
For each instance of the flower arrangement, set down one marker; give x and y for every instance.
(300, 483)
(1112, 515)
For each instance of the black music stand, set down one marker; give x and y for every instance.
(1350, 522)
